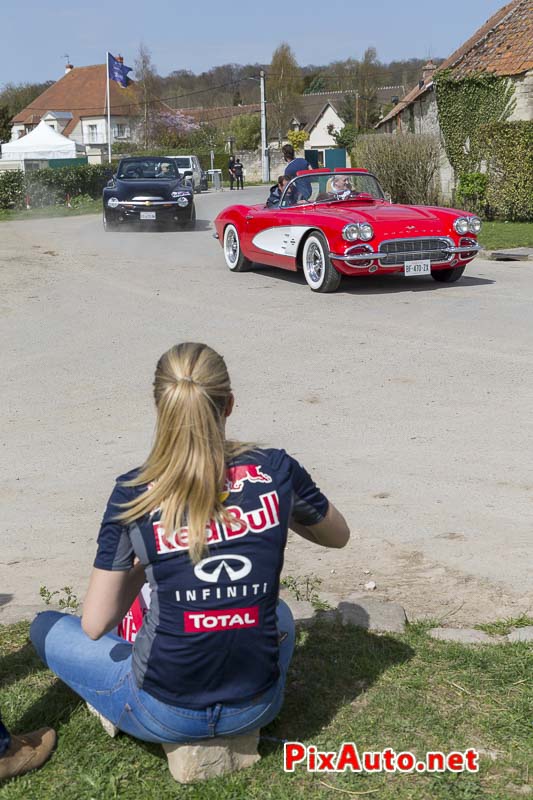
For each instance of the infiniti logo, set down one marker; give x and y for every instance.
(236, 567)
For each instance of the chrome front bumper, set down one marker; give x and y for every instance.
(373, 255)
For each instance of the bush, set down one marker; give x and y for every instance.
(509, 149)
(471, 194)
(406, 164)
(51, 186)
(12, 189)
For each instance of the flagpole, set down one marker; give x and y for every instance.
(108, 111)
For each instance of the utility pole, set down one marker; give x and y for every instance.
(264, 146)
(357, 111)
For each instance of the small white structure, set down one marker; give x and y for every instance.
(41, 144)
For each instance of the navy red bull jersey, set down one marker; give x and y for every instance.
(210, 635)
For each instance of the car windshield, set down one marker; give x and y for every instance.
(331, 187)
(134, 169)
(182, 163)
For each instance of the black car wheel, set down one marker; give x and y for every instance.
(232, 251)
(447, 275)
(320, 274)
(109, 225)
(188, 224)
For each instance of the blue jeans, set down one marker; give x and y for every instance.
(100, 672)
(5, 738)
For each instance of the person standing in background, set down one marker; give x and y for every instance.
(231, 170)
(239, 174)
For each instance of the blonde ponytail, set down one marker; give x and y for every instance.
(185, 471)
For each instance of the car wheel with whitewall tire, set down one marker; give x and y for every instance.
(319, 272)
(447, 275)
(235, 260)
(108, 224)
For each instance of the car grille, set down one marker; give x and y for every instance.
(400, 250)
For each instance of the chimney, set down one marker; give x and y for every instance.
(68, 68)
(428, 71)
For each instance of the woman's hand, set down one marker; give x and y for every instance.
(109, 597)
(332, 531)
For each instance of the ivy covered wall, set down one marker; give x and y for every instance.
(465, 106)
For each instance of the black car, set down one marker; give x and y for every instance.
(148, 189)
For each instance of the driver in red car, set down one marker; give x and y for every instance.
(340, 187)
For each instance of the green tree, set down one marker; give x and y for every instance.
(245, 130)
(5, 124)
(297, 138)
(284, 87)
(18, 96)
(346, 137)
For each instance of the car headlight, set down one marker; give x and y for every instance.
(474, 225)
(351, 232)
(183, 201)
(358, 230)
(174, 195)
(461, 225)
(113, 202)
(365, 231)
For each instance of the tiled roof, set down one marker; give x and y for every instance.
(82, 91)
(219, 113)
(502, 46)
(416, 92)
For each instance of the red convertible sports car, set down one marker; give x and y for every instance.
(330, 223)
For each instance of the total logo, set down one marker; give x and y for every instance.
(227, 619)
(210, 569)
(244, 522)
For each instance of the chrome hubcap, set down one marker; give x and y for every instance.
(232, 247)
(314, 263)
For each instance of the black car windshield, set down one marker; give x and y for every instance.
(331, 187)
(134, 169)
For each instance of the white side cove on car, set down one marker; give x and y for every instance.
(282, 241)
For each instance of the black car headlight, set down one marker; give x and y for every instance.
(183, 201)
(113, 202)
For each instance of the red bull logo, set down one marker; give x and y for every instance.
(237, 476)
(257, 520)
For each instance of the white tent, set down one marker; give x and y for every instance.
(42, 143)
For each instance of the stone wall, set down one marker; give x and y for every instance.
(251, 161)
(523, 95)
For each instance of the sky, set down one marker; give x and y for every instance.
(198, 35)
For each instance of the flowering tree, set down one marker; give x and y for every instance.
(171, 128)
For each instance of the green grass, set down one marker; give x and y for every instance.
(499, 235)
(504, 626)
(93, 207)
(407, 692)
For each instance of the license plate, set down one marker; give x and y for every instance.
(147, 214)
(417, 267)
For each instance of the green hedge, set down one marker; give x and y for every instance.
(12, 189)
(509, 149)
(47, 187)
(471, 193)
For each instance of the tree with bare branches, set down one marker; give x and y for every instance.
(284, 87)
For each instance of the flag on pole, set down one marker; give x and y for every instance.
(117, 71)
